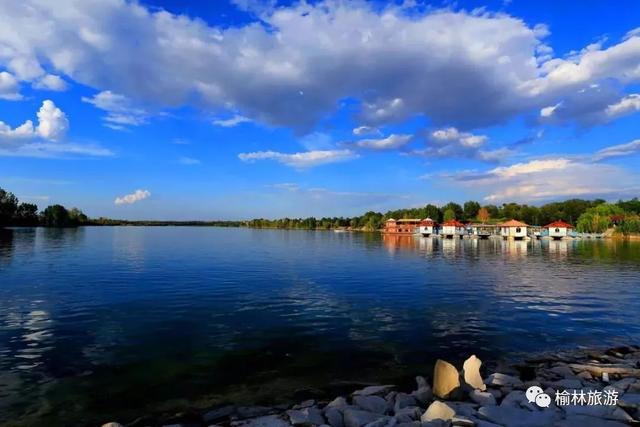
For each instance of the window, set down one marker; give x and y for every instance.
(557, 230)
(518, 230)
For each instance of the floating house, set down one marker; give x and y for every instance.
(513, 229)
(558, 229)
(452, 229)
(484, 231)
(401, 226)
(427, 227)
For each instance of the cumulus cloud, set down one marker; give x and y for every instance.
(9, 88)
(293, 64)
(300, 160)
(132, 198)
(627, 105)
(391, 142)
(451, 142)
(231, 121)
(120, 110)
(45, 139)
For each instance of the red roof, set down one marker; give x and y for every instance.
(558, 224)
(452, 223)
(513, 223)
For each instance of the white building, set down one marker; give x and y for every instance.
(558, 229)
(427, 227)
(452, 229)
(513, 229)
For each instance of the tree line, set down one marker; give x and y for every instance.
(17, 214)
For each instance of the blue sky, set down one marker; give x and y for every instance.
(242, 109)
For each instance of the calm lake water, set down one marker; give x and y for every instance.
(112, 323)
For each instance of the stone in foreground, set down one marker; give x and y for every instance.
(266, 421)
(471, 370)
(438, 411)
(374, 389)
(445, 379)
(515, 417)
(306, 416)
(374, 404)
(503, 380)
(482, 398)
(357, 418)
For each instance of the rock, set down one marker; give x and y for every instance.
(629, 400)
(306, 416)
(482, 398)
(423, 395)
(357, 418)
(516, 417)
(566, 385)
(403, 400)
(461, 421)
(623, 385)
(266, 421)
(374, 389)
(518, 399)
(586, 421)
(584, 375)
(495, 392)
(503, 380)
(407, 415)
(483, 423)
(467, 409)
(112, 424)
(382, 422)
(218, 414)
(471, 371)
(252, 411)
(563, 371)
(372, 404)
(422, 382)
(411, 424)
(305, 404)
(435, 423)
(445, 379)
(438, 411)
(334, 417)
(338, 402)
(599, 370)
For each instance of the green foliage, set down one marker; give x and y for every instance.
(56, 216)
(449, 214)
(8, 207)
(598, 218)
(27, 215)
(471, 209)
(456, 208)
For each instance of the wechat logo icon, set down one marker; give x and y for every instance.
(536, 395)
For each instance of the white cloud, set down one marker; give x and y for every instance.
(50, 82)
(450, 142)
(389, 143)
(132, 198)
(548, 111)
(300, 160)
(9, 88)
(366, 130)
(553, 178)
(189, 161)
(620, 150)
(120, 110)
(231, 121)
(292, 65)
(52, 121)
(45, 139)
(627, 105)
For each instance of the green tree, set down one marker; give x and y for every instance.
(56, 216)
(433, 212)
(471, 209)
(598, 218)
(8, 207)
(456, 208)
(77, 217)
(27, 215)
(449, 214)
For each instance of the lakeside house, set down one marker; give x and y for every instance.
(452, 229)
(427, 227)
(558, 229)
(401, 226)
(484, 231)
(513, 229)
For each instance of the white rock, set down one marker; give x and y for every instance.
(438, 411)
(471, 372)
(503, 380)
(306, 416)
(482, 397)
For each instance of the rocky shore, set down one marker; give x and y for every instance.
(588, 388)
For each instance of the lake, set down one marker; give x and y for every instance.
(103, 323)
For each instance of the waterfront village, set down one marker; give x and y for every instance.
(512, 230)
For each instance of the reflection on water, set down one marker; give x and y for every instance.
(110, 320)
